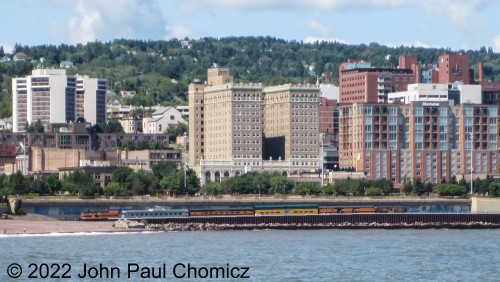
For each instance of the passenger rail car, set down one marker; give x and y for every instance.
(293, 209)
(347, 210)
(153, 214)
(395, 209)
(222, 212)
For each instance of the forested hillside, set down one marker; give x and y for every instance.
(161, 70)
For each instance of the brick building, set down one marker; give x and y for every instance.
(429, 140)
(360, 82)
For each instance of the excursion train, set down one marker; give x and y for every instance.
(90, 215)
(256, 210)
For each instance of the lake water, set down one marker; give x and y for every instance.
(269, 255)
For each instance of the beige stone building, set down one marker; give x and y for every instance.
(146, 159)
(50, 160)
(291, 125)
(242, 127)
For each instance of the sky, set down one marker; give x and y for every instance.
(454, 24)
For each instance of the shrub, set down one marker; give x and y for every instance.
(450, 190)
(374, 191)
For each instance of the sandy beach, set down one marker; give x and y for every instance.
(34, 224)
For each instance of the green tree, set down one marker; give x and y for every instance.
(328, 189)
(418, 187)
(213, 188)
(121, 176)
(280, 184)
(112, 189)
(176, 130)
(38, 187)
(494, 189)
(163, 168)
(53, 184)
(17, 183)
(307, 189)
(112, 126)
(143, 182)
(79, 182)
(38, 126)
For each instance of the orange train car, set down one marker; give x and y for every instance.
(98, 215)
(366, 210)
(328, 210)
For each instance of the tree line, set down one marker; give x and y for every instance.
(164, 178)
(274, 183)
(160, 71)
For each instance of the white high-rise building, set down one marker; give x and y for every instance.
(51, 96)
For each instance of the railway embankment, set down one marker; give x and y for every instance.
(175, 227)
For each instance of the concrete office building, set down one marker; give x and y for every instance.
(456, 93)
(51, 96)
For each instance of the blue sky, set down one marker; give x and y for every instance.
(457, 24)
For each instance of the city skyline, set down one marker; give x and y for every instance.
(466, 24)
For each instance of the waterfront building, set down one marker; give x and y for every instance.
(428, 140)
(51, 96)
(242, 127)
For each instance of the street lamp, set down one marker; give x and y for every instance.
(471, 169)
(184, 156)
(322, 135)
(258, 187)
(25, 159)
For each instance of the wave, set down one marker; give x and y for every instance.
(66, 234)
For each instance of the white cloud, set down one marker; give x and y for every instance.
(322, 29)
(312, 39)
(416, 43)
(106, 20)
(7, 48)
(290, 4)
(496, 44)
(180, 31)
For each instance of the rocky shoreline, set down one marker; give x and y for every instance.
(173, 227)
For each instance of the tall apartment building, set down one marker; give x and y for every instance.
(360, 82)
(291, 124)
(51, 96)
(236, 127)
(90, 98)
(429, 140)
